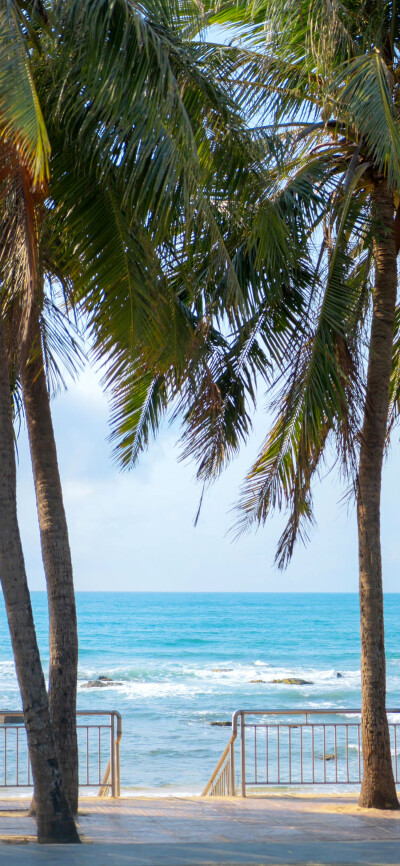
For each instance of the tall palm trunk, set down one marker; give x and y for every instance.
(58, 568)
(378, 788)
(54, 819)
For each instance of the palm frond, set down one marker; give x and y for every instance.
(364, 94)
(21, 120)
(62, 344)
(320, 395)
(394, 407)
(139, 404)
(138, 95)
(214, 404)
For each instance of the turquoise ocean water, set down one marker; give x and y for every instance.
(164, 649)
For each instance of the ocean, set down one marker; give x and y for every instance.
(184, 660)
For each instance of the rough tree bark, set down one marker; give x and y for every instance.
(54, 819)
(378, 787)
(63, 637)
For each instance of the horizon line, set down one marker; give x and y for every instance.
(212, 592)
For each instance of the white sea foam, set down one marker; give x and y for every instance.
(7, 669)
(237, 682)
(228, 675)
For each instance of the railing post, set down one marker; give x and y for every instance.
(112, 755)
(243, 753)
(117, 754)
(232, 786)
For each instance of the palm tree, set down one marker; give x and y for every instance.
(23, 177)
(131, 162)
(327, 76)
(63, 637)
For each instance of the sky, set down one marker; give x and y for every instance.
(133, 531)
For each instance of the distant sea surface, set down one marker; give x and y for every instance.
(168, 651)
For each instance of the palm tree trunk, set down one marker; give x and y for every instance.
(54, 819)
(378, 787)
(56, 555)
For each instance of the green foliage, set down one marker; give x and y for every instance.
(147, 148)
(21, 121)
(326, 78)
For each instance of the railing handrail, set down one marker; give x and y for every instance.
(78, 713)
(241, 714)
(221, 761)
(314, 711)
(310, 711)
(111, 778)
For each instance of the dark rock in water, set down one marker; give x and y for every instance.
(222, 670)
(293, 681)
(329, 757)
(256, 681)
(221, 724)
(101, 683)
(339, 674)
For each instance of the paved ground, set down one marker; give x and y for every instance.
(206, 832)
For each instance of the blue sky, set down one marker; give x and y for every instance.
(134, 531)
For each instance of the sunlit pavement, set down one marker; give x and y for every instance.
(181, 832)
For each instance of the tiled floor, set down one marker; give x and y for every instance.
(168, 832)
(221, 820)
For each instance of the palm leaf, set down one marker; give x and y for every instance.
(21, 119)
(364, 97)
(139, 404)
(319, 396)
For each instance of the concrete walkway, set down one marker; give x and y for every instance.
(206, 832)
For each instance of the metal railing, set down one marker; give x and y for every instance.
(311, 747)
(98, 750)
